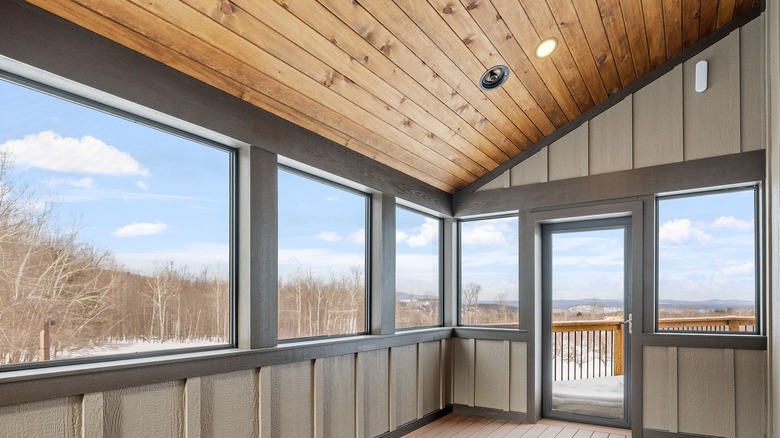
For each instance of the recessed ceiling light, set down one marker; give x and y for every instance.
(546, 47)
(494, 77)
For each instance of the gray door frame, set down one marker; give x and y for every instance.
(531, 223)
(548, 230)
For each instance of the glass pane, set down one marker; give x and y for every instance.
(322, 258)
(489, 272)
(115, 237)
(588, 354)
(417, 267)
(707, 262)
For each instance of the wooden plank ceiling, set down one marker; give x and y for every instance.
(397, 80)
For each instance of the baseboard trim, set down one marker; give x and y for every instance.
(653, 433)
(416, 424)
(480, 411)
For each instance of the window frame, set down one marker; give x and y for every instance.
(459, 288)
(440, 283)
(758, 259)
(130, 117)
(367, 255)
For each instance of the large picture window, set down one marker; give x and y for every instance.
(489, 272)
(322, 258)
(707, 262)
(417, 269)
(114, 237)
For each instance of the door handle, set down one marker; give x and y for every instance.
(629, 322)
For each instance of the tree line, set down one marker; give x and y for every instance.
(50, 277)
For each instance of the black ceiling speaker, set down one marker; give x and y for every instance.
(494, 77)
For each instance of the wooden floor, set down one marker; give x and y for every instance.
(462, 425)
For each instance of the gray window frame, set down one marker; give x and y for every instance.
(459, 285)
(440, 282)
(367, 256)
(758, 259)
(233, 215)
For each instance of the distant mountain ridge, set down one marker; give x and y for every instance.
(566, 304)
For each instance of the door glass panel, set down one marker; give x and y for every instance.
(588, 336)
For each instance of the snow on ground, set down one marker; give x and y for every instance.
(600, 396)
(129, 347)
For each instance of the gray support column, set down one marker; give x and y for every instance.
(450, 272)
(382, 264)
(531, 310)
(257, 241)
(772, 240)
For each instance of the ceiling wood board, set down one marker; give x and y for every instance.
(397, 80)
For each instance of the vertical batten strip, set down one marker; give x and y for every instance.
(318, 401)
(674, 413)
(192, 407)
(360, 401)
(730, 397)
(92, 415)
(264, 406)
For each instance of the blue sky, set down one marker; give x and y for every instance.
(321, 227)
(489, 256)
(143, 194)
(417, 243)
(588, 264)
(707, 247)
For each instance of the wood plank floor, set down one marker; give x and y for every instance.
(457, 425)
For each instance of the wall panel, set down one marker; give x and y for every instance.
(609, 140)
(229, 404)
(335, 397)
(706, 391)
(491, 374)
(403, 385)
(752, 75)
(568, 157)
(712, 122)
(518, 376)
(373, 377)
(463, 371)
(289, 394)
(750, 385)
(145, 411)
(59, 417)
(429, 378)
(660, 388)
(531, 171)
(658, 121)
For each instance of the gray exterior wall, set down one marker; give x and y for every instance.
(363, 394)
(666, 121)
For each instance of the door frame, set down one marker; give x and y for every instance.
(531, 222)
(548, 229)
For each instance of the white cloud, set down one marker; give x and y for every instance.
(428, 232)
(358, 237)
(328, 236)
(320, 261)
(486, 234)
(142, 185)
(400, 236)
(50, 151)
(732, 223)
(140, 229)
(681, 231)
(738, 269)
(332, 199)
(83, 183)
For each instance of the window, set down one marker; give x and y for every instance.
(707, 262)
(322, 258)
(417, 269)
(114, 237)
(489, 290)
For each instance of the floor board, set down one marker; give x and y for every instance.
(470, 426)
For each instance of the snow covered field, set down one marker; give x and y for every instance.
(129, 347)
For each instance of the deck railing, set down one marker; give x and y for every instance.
(586, 349)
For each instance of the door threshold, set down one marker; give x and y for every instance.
(584, 426)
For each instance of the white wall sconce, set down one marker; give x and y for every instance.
(701, 76)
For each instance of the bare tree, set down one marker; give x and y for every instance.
(470, 293)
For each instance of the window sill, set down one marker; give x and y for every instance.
(704, 340)
(490, 333)
(30, 385)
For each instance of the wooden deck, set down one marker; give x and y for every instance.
(457, 425)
